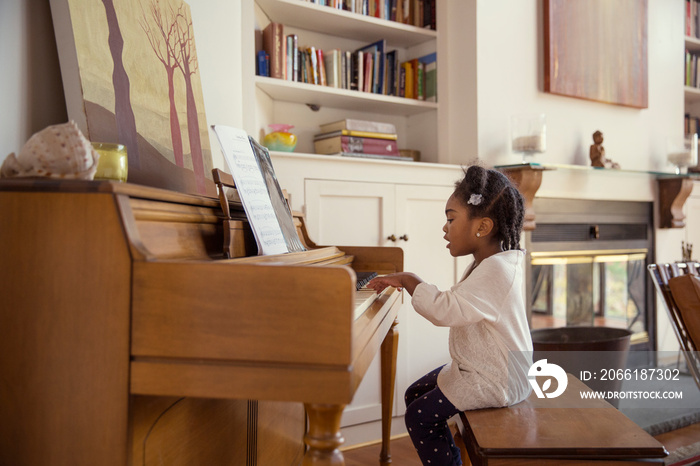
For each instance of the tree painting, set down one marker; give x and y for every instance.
(187, 62)
(163, 42)
(131, 75)
(126, 124)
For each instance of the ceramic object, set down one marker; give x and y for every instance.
(58, 151)
(113, 163)
(280, 138)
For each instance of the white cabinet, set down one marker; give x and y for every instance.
(385, 214)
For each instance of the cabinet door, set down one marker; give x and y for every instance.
(420, 215)
(348, 213)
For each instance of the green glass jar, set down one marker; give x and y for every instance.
(113, 163)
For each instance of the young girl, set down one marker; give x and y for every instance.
(489, 338)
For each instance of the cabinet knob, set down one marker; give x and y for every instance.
(391, 238)
(404, 237)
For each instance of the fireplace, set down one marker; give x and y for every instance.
(588, 264)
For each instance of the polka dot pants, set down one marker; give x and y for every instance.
(427, 413)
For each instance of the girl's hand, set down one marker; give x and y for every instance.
(397, 280)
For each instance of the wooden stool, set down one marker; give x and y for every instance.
(557, 431)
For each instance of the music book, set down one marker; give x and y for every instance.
(264, 204)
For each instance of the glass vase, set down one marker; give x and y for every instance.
(280, 138)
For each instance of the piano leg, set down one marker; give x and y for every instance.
(323, 437)
(389, 352)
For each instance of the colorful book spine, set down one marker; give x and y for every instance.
(353, 124)
(263, 63)
(274, 45)
(409, 77)
(430, 76)
(362, 134)
(353, 144)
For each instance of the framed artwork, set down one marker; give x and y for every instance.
(130, 75)
(597, 50)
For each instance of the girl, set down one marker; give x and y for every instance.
(489, 338)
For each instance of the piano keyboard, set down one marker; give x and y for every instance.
(363, 278)
(364, 297)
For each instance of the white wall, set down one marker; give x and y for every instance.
(31, 93)
(511, 81)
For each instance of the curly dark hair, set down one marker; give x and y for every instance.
(493, 195)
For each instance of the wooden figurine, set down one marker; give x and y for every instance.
(597, 153)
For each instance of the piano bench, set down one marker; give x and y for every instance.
(556, 431)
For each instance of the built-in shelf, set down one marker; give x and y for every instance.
(324, 96)
(340, 23)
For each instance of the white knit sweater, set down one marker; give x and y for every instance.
(489, 340)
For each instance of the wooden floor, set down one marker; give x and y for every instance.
(403, 453)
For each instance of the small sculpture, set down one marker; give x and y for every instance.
(597, 153)
(687, 251)
(59, 151)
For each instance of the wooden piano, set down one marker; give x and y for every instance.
(126, 338)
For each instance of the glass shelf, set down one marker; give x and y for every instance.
(585, 168)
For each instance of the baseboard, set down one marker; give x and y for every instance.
(370, 433)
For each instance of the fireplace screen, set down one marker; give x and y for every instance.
(600, 288)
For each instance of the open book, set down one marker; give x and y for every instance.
(264, 204)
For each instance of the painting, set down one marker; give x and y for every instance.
(130, 75)
(597, 50)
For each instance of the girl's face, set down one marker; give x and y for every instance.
(460, 229)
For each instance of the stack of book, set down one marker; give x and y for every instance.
(359, 138)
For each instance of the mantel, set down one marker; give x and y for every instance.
(673, 189)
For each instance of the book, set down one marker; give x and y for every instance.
(359, 125)
(362, 134)
(292, 59)
(419, 79)
(274, 45)
(263, 63)
(353, 144)
(409, 76)
(376, 51)
(392, 75)
(314, 78)
(369, 72)
(332, 60)
(359, 70)
(430, 76)
(321, 68)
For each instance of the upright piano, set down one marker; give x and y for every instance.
(127, 338)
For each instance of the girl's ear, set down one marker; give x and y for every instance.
(485, 227)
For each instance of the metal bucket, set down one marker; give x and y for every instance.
(592, 354)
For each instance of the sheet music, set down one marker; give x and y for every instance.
(252, 189)
(279, 203)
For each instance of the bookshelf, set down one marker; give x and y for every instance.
(290, 102)
(691, 93)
